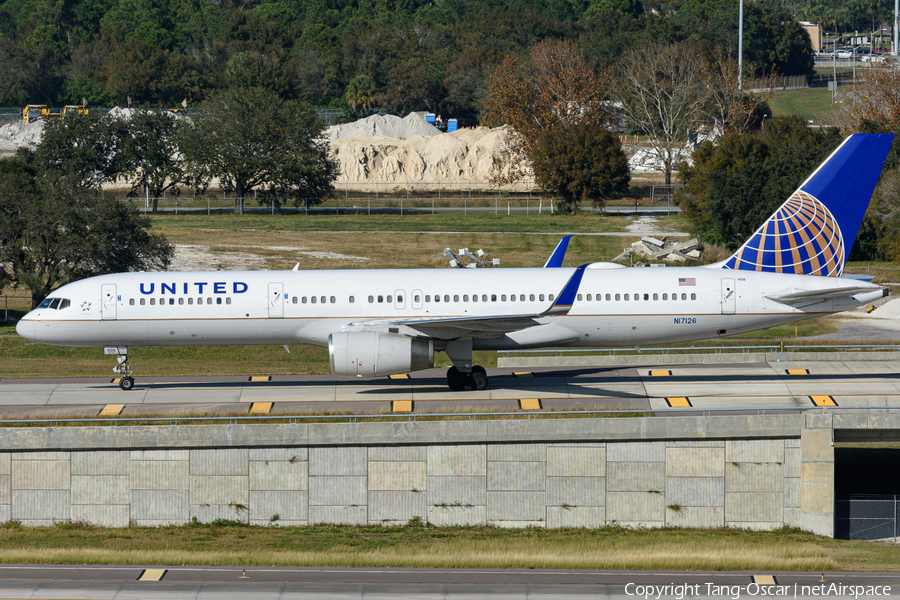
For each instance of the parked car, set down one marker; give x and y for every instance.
(844, 53)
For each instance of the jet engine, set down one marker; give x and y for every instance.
(370, 354)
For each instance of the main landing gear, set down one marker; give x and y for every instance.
(458, 381)
(126, 382)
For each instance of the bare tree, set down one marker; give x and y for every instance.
(874, 97)
(662, 94)
(733, 109)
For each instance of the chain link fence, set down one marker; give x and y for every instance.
(866, 517)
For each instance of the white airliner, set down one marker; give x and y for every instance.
(382, 322)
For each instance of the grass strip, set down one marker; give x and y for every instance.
(447, 547)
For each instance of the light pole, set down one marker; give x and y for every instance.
(741, 46)
(763, 127)
(896, 24)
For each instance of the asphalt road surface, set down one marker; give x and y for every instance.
(226, 583)
(705, 386)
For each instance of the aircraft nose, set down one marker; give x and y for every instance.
(25, 329)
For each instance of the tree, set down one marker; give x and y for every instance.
(662, 95)
(732, 109)
(556, 84)
(57, 230)
(734, 186)
(360, 94)
(875, 97)
(85, 148)
(251, 139)
(408, 87)
(150, 153)
(581, 162)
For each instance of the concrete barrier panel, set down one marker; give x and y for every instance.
(40, 475)
(576, 516)
(207, 513)
(575, 461)
(792, 492)
(45, 506)
(396, 476)
(289, 506)
(160, 507)
(517, 452)
(635, 451)
(337, 491)
(753, 508)
(279, 475)
(516, 476)
(5, 489)
(636, 507)
(101, 463)
(457, 461)
(220, 489)
(695, 462)
(159, 454)
(398, 453)
(396, 507)
(159, 475)
(340, 515)
(636, 476)
(516, 506)
(704, 517)
(457, 516)
(220, 462)
(576, 491)
(279, 454)
(754, 477)
(101, 515)
(456, 490)
(696, 492)
(792, 462)
(101, 489)
(5, 463)
(349, 461)
(754, 451)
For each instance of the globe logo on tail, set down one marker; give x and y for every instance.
(802, 237)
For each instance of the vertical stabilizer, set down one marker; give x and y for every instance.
(813, 231)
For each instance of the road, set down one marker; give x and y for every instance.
(225, 583)
(705, 386)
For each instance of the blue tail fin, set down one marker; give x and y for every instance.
(813, 231)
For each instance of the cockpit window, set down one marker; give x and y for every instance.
(46, 303)
(65, 304)
(54, 304)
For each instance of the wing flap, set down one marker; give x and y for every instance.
(795, 296)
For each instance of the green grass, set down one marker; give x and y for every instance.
(809, 103)
(426, 546)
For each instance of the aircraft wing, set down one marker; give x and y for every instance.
(794, 296)
(482, 325)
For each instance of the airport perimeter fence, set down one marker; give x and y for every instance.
(15, 307)
(13, 114)
(866, 517)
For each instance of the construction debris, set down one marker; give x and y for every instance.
(668, 251)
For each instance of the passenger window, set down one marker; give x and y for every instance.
(143, 301)
(322, 299)
(541, 297)
(589, 297)
(484, 297)
(578, 297)
(552, 297)
(446, 297)
(637, 297)
(171, 301)
(371, 300)
(162, 301)
(399, 298)
(684, 296)
(647, 297)
(608, 298)
(428, 298)
(313, 299)
(617, 297)
(227, 300)
(626, 297)
(380, 299)
(512, 297)
(503, 298)
(674, 296)
(131, 302)
(493, 297)
(693, 296)
(332, 300)
(390, 299)
(295, 300)
(521, 297)
(474, 297)
(665, 296)
(54, 304)
(199, 300)
(218, 300)
(303, 299)
(352, 299)
(152, 301)
(531, 297)
(190, 301)
(209, 300)
(455, 298)
(656, 296)
(181, 302)
(465, 297)
(416, 298)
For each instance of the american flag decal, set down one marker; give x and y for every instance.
(687, 281)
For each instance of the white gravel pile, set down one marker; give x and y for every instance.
(380, 126)
(649, 160)
(15, 135)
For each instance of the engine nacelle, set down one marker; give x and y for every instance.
(371, 354)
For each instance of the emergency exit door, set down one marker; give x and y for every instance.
(109, 301)
(276, 301)
(728, 296)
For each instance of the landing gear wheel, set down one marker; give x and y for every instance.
(126, 383)
(456, 380)
(477, 380)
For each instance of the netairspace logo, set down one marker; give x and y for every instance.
(681, 591)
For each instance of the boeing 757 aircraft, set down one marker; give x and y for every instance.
(383, 322)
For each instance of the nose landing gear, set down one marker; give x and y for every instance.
(126, 382)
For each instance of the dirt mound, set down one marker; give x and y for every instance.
(381, 126)
(15, 135)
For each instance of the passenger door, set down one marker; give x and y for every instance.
(276, 301)
(728, 297)
(109, 301)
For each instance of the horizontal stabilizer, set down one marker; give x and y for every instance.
(795, 296)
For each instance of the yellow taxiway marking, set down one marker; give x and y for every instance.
(260, 378)
(678, 402)
(523, 374)
(764, 579)
(797, 371)
(402, 406)
(400, 376)
(152, 574)
(116, 380)
(111, 410)
(823, 401)
(260, 408)
(530, 404)
(660, 373)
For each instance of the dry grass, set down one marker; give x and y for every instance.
(609, 548)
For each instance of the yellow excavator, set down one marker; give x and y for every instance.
(74, 109)
(35, 112)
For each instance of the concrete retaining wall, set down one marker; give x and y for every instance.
(760, 472)
(649, 357)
